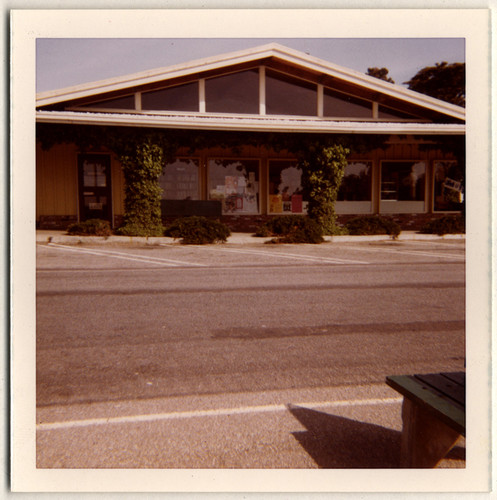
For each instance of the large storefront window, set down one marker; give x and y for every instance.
(356, 183)
(285, 188)
(403, 181)
(448, 186)
(236, 184)
(180, 180)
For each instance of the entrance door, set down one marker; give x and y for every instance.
(94, 187)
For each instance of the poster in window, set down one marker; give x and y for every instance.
(275, 203)
(296, 203)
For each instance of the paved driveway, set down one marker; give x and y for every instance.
(239, 356)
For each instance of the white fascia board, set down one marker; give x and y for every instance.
(250, 55)
(263, 124)
(153, 76)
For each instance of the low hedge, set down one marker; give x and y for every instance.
(90, 227)
(197, 230)
(292, 229)
(448, 224)
(372, 224)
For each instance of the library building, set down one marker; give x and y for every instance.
(231, 116)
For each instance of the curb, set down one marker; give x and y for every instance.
(236, 238)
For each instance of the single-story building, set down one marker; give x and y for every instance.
(414, 172)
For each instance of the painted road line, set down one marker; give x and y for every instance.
(293, 256)
(127, 256)
(410, 252)
(219, 412)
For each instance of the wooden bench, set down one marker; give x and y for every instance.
(433, 415)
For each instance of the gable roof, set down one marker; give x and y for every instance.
(271, 55)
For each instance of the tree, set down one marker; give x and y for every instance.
(381, 73)
(443, 81)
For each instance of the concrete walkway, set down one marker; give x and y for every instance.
(61, 237)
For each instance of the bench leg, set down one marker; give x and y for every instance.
(425, 439)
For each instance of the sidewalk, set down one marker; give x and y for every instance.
(61, 237)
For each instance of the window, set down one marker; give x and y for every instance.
(235, 183)
(234, 93)
(403, 181)
(126, 102)
(356, 183)
(448, 186)
(342, 105)
(289, 96)
(180, 180)
(285, 187)
(384, 112)
(179, 98)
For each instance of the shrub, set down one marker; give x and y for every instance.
(197, 230)
(90, 227)
(133, 229)
(373, 224)
(448, 224)
(292, 229)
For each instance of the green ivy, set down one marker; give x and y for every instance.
(144, 152)
(323, 168)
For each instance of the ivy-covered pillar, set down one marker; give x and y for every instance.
(323, 168)
(142, 161)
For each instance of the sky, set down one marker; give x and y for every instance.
(63, 62)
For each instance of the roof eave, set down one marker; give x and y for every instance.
(265, 124)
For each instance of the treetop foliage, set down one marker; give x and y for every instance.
(443, 81)
(381, 73)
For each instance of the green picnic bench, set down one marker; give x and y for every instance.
(433, 415)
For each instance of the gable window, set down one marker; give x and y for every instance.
(341, 105)
(180, 180)
(126, 102)
(286, 95)
(384, 112)
(234, 93)
(235, 182)
(178, 98)
(285, 187)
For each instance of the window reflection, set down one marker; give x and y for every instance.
(234, 93)
(289, 96)
(403, 181)
(236, 184)
(285, 187)
(179, 98)
(180, 180)
(448, 186)
(94, 174)
(342, 105)
(356, 183)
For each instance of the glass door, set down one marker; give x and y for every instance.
(94, 187)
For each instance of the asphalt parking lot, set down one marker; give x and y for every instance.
(239, 356)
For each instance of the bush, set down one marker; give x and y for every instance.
(90, 227)
(373, 224)
(292, 229)
(197, 230)
(134, 229)
(448, 224)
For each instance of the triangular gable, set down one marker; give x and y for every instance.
(389, 101)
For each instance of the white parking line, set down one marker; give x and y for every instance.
(131, 419)
(127, 256)
(409, 252)
(293, 256)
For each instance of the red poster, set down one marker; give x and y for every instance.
(296, 203)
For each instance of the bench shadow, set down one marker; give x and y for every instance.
(341, 443)
(337, 442)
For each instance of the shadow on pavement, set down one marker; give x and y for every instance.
(340, 443)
